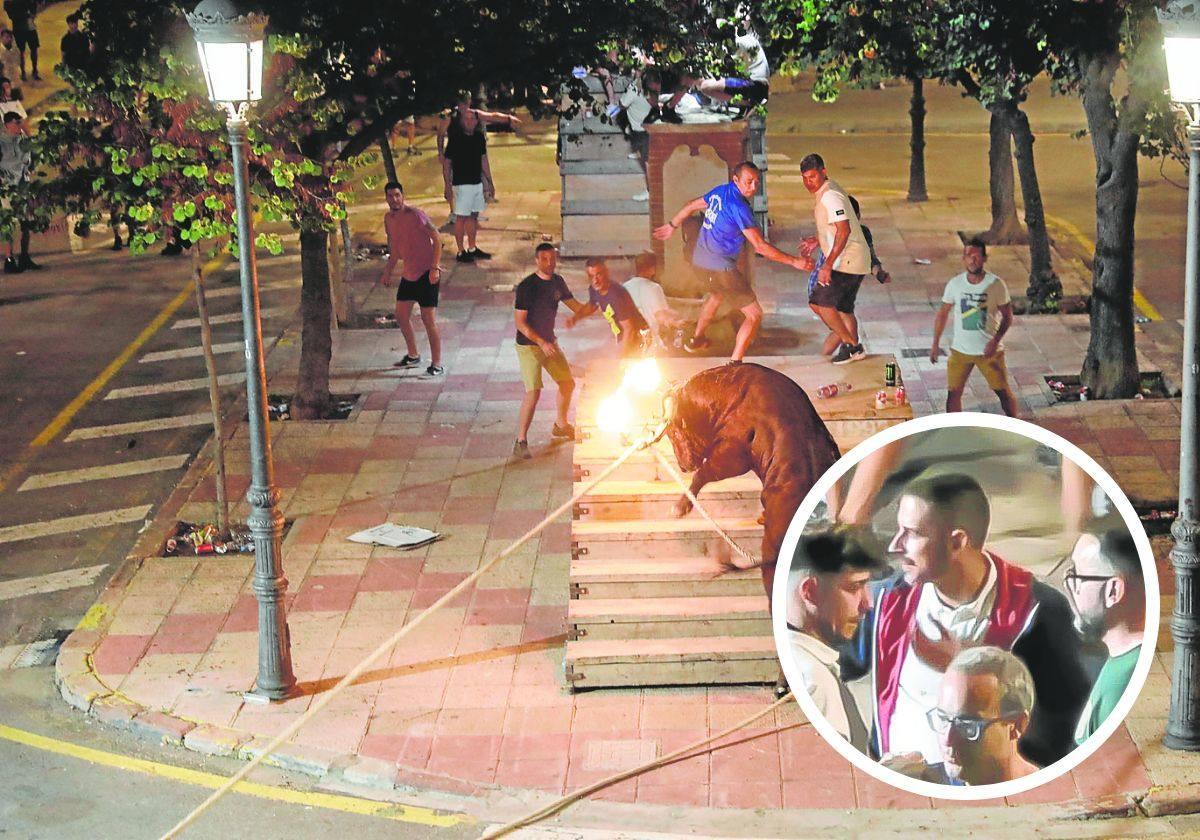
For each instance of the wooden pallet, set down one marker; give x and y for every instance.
(649, 605)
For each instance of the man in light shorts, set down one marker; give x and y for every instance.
(538, 297)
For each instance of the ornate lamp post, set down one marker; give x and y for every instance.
(1180, 22)
(231, 54)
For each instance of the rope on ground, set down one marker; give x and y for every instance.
(559, 804)
(687, 489)
(386, 646)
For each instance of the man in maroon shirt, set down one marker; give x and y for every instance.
(413, 239)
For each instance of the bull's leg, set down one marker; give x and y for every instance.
(725, 461)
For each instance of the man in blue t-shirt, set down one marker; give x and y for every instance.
(616, 305)
(728, 225)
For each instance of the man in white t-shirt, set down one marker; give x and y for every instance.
(982, 313)
(827, 598)
(847, 259)
(756, 86)
(650, 299)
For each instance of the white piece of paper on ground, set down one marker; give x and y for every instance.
(395, 536)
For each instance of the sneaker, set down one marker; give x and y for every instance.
(435, 370)
(465, 257)
(644, 195)
(612, 111)
(408, 361)
(27, 264)
(696, 344)
(567, 431)
(11, 266)
(521, 450)
(841, 355)
(478, 254)
(857, 353)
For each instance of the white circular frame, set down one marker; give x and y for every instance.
(1141, 671)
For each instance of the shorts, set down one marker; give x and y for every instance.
(959, 365)
(733, 287)
(26, 39)
(840, 294)
(640, 142)
(533, 361)
(468, 199)
(750, 91)
(419, 291)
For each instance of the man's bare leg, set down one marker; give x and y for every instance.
(429, 319)
(833, 319)
(832, 342)
(707, 312)
(954, 401)
(472, 228)
(404, 310)
(851, 324)
(565, 389)
(460, 227)
(747, 331)
(525, 415)
(1008, 402)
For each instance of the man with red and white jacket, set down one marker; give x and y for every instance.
(949, 594)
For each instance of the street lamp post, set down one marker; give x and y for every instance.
(231, 54)
(1180, 22)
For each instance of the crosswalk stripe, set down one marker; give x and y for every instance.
(777, 156)
(236, 291)
(139, 426)
(70, 524)
(229, 317)
(171, 387)
(189, 352)
(64, 477)
(52, 582)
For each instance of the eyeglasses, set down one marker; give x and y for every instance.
(1072, 579)
(970, 728)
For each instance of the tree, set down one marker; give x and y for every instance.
(142, 136)
(1109, 53)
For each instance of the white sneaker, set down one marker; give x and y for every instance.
(642, 196)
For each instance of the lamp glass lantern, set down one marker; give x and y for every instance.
(1180, 23)
(231, 51)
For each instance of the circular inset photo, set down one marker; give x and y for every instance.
(964, 606)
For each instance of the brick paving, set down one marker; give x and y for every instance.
(475, 698)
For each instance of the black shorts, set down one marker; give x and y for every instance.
(26, 39)
(840, 294)
(733, 287)
(419, 291)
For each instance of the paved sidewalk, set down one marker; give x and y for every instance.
(474, 701)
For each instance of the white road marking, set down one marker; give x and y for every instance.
(190, 352)
(171, 387)
(64, 477)
(230, 317)
(70, 524)
(139, 426)
(52, 582)
(777, 156)
(236, 291)
(37, 653)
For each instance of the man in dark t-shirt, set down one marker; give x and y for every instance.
(23, 14)
(538, 297)
(75, 46)
(616, 305)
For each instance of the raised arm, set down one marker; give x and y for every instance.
(664, 232)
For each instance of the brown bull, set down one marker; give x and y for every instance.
(729, 420)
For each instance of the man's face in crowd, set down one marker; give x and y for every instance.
(814, 179)
(547, 260)
(598, 277)
(13, 127)
(973, 259)
(746, 182)
(1087, 597)
(395, 199)
(976, 697)
(922, 542)
(6, 38)
(839, 602)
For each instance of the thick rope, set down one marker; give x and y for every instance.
(687, 489)
(559, 804)
(386, 646)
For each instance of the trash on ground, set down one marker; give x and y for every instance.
(1141, 319)
(395, 536)
(198, 539)
(385, 320)
(922, 261)
(501, 287)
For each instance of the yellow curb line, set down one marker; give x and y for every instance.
(346, 804)
(1143, 305)
(55, 426)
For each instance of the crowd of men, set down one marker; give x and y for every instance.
(978, 672)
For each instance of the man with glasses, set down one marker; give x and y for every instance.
(827, 599)
(983, 709)
(952, 593)
(1107, 593)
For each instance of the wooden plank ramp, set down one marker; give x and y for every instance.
(653, 602)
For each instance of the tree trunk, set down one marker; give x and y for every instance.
(1044, 286)
(1006, 228)
(389, 163)
(312, 399)
(916, 162)
(1110, 367)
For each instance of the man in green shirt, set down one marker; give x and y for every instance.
(1108, 596)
